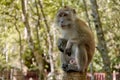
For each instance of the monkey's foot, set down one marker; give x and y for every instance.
(81, 72)
(68, 68)
(64, 67)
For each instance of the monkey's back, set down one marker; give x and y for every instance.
(88, 39)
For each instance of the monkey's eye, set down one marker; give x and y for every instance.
(60, 15)
(65, 14)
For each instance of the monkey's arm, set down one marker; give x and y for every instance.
(61, 44)
(69, 45)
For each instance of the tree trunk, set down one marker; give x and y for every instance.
(86, 13)
(102, 48)
(49, 40)
(37, 56)
(74, 76)
(26, 23)
(20, 44)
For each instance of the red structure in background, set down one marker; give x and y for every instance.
(101, 76)
(32, 74)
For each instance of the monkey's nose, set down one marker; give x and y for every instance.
(62, 21)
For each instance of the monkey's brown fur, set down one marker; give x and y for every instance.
(79, 38)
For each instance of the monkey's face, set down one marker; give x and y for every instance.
(65, 17)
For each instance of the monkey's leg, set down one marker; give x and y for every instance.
(81, 59)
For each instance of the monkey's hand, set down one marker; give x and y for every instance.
(61, 44)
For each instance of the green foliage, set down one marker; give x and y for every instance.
(12, 17)
(3, 63)
(29, 60)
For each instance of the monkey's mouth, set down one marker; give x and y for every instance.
(63, 26)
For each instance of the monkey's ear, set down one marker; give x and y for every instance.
(66, 6)
(74, 11)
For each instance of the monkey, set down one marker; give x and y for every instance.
(77, 40)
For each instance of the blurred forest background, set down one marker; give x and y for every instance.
(28, 34)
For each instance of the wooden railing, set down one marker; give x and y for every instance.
(5, 75)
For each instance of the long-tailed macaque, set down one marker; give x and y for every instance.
(77, 41)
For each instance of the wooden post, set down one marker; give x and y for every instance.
(74, 76)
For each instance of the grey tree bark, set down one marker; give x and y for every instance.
(102, 48)
(20, 44)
